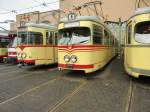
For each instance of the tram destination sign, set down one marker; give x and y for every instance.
(23, 29)
(72, 24)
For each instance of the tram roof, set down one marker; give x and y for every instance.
(83, 18)
(41, 25)
(141, 11)
(86, 18)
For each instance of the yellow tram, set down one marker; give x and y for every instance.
(84, 43)
(37, 44)
(137, 44)
(3, 47)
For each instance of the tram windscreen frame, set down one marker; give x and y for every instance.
(30, 38)
(142, 32)
(13, 42)
(74, 36)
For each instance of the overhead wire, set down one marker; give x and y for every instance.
(40, 4)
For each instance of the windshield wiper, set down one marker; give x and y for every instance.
(79, 42)
(83, 41)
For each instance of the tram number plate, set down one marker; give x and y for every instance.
(73, 24)
(69, 66)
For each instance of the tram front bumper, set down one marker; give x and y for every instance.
(75, 66)
(28, 62)
(136, 72)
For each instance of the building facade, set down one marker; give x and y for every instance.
(50, 17)
(112, 9)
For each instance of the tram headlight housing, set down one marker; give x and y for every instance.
(74, 58)
(24, 55)
(19, 55)
(67, 58)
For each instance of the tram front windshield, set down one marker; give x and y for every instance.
(4, 42)
(142, 32)
(30, 38)
(74, 36)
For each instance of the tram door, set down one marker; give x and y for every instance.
(55, 48)
(128, 42)
(50, 49)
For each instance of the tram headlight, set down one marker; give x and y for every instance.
(73, 58)
(24, 55)
(67, 58)
(19, 55)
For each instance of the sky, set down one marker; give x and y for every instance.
(10, 8)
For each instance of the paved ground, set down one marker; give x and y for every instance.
(45, 89)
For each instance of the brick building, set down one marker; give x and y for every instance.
(35, 17)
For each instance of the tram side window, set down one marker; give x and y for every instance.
(56, 39)
(129, 29)
(111, 40)
(97, 34)
(106, 37)
(49, 38)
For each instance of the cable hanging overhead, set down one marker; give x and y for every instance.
(45, 4)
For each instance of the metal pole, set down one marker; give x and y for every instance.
(38, 17)
(119, 38)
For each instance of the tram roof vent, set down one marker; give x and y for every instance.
(41, 25)
(142, 11)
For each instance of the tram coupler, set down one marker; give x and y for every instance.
(60, 69)
(20, 65)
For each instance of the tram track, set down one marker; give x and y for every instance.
(19, 74)
(54, 78)
(68, 97)
(7, 70)
(32, 89)
(36, 83)
(130, 94)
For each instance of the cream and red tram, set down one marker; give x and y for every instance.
(37, 44)
(137, 44)
(85, 43)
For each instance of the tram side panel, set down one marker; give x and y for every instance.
(3, 53)
(137, 50)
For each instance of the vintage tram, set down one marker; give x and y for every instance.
(4, 40)
(84, 43)
(37, 44)
(137, 44)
